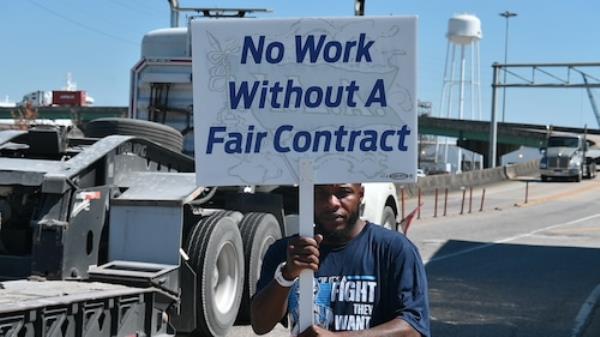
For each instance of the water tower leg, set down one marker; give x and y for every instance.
(461, 100)
(453, 52)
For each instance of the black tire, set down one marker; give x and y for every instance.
(591, 171)
(156, 132)
(544, 178)
(216, 254)
(259, 232)
(578, 177)
(388, 218)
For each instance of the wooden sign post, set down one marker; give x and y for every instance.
(306, 189)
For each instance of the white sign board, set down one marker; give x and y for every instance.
(337, 91)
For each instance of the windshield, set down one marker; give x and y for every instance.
(563, 142)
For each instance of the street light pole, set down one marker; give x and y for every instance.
(507, 15)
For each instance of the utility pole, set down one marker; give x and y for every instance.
(507, 15)
(359, 7)
(493, 140)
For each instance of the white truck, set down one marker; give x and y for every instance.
(567, 156)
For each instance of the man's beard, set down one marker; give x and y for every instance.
(342, 235)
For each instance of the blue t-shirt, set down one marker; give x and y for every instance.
(376, 277)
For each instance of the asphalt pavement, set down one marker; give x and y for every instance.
(513, 269)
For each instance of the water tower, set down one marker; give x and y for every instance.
(461, 89)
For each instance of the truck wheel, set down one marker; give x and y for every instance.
(544, 178)
(216, 255)
(388, 219)
(259, 231)
(156, 132)
(591, 171)
(578, 177)
(588, 173)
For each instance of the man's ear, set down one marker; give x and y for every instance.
(361, 192)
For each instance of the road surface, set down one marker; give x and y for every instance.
(514, 269)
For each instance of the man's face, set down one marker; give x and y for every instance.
(337, 209)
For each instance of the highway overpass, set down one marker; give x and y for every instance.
(474, 135)
(470, 134)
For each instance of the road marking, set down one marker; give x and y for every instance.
(583, 317)
(578, 230)
(512, 238)
(433, 241)
(565, 194)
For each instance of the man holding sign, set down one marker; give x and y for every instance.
(317, 101)
(366, 277)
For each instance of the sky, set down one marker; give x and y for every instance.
(98, 41)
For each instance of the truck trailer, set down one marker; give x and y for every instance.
(123, 210)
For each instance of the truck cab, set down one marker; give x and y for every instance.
(565, 157)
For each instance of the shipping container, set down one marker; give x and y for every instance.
(68, 98)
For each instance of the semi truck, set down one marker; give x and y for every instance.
(568, 156)
(109, 235)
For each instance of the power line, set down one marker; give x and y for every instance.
(82, 25)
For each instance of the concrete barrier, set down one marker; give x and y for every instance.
(530, 168)
(454, 182)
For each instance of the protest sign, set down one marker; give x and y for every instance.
(339, 92)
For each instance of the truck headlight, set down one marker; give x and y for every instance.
(573, 163)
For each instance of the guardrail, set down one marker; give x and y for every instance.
(472, 186)
(454, 182)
